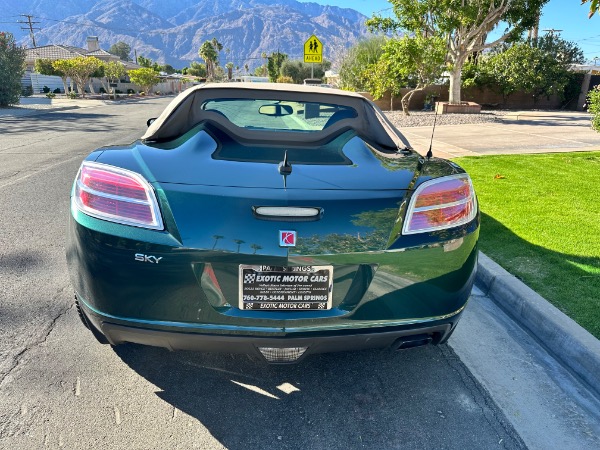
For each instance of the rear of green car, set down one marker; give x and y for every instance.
(193, 244)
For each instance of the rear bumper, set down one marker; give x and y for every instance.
(310, 343)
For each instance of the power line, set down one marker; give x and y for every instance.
(30, 24)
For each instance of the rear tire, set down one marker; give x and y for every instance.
(99, 336)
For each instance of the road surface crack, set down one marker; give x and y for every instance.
(41, 339)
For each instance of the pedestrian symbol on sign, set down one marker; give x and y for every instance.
(313, 50)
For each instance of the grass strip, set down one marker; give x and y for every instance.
(541, 222)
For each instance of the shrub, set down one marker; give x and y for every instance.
(27, 91)
(12, 67)
(50, 94)
(57, 91)
(45, 89)
(142, 93)
(130, 91)
(283, 79)
(73, 94)
(593, 101)
(102, 90)
(118, 91)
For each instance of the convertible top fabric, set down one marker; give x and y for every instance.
(184, 112)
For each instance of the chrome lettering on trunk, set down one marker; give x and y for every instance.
(147, 258)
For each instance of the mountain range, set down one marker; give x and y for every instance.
(172, 32)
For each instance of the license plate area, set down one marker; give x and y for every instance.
(280, 288)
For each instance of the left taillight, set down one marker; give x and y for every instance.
(441, 203)
(117, 195)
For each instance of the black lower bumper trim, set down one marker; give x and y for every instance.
(117, 334)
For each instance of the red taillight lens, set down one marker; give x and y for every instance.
(441, 203)
(117, 195)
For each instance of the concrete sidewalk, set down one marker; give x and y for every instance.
(517, 132)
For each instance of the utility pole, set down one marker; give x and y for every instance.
(551, 31)
(30, 26)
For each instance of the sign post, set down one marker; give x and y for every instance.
(313, 53)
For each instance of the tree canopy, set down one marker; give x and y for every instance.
(274, 63)
(209, 52)
(79, 69)
(12, 67)
(144, 77)
(121, 49)
(594, 7)
(414, 62)
(364, 54)
(462, 24)
(536, 66)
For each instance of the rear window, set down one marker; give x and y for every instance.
(276, 115)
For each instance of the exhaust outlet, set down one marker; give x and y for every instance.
(407, 342)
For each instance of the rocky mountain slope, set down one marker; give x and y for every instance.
(172, 32)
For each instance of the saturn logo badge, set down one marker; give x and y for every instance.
(287, 238)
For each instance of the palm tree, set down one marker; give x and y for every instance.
(239, 242)
(256, 248)
(229, 66)
(216, 238)
(263, 55)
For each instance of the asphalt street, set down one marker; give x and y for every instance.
(492, 387)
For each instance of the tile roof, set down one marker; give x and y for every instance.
(55, 51)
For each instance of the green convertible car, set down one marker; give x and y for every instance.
(271, 219)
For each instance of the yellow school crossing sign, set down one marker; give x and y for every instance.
(313, 50)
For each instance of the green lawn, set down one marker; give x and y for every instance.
(541, 222)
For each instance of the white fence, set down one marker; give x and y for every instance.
(37, 83)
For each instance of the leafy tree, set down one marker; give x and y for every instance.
(196, 69)
(365, 53)
(415, 62)
(523, 67)
(260, 71)
(593, 101)
(114, 71)
(299, 71)
(145, 77)
(462, 24)
(46, 67)
(594, 7)
(80, 69)
(12, 67)
(122, 50)
(274, 63)
(565, 52)
(144, 62)
(167, 68)
(282, 79)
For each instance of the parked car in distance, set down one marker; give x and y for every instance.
(275, 220)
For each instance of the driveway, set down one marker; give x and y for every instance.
(516, 132)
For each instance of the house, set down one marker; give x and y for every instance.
(54, 52)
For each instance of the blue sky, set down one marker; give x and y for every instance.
(566, 15)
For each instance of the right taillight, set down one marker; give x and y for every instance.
(441, 203)
(117, 195)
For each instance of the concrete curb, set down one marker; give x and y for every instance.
(571, 345)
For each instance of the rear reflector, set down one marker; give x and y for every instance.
(441, 203)
(117, 195)
(282, 355)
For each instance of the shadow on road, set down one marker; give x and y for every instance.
(368, 399)
(55, 121)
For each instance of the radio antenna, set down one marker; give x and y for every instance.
(429, 152)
